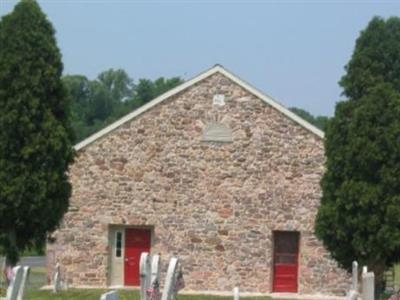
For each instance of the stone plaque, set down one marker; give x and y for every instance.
(217, 132)
(219, 100)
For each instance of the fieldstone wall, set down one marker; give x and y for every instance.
(215, 205)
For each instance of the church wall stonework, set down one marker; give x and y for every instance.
(215, 205)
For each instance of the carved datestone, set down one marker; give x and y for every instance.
(217, 132)
(219, 100)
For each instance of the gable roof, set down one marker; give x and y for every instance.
(216, 69)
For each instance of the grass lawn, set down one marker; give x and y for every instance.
(37, 279)
(124, 295)
(397, 275)
(76, 295)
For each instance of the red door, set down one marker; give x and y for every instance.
(136, 241)
(286, 256)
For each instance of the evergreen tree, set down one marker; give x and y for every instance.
(35, 132)
(359, 214)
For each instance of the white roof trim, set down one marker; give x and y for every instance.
(189, 83)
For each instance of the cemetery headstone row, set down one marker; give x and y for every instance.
(367, 286)
(150, 279)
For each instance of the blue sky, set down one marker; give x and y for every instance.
(294, 51)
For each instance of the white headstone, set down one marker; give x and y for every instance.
(57, 279)
(365, 269)
(354, 280)
(145, 274)
(173, 281)
(25, 276)
(236, 293)
(368, 286)
(13, 288)
(155, 269)
(170, 279)
(153, 292)
(113, 295)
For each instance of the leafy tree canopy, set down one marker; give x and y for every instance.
(35, 131)
(97, 103)
(319, 121)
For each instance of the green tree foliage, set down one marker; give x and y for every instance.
(35, 132)
(113, 94)
(360, 209)
(375, 59)
(147, 90)
(319, 121)
(118, 84)
(144, 91)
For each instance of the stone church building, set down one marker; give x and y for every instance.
(213, 171)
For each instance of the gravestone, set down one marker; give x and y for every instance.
(24, 280)
(113, 295)
(354, 278)
(236, 293)
(155, 269)
(15, 283)
(57, 279)
(353, 293)
(368, 286)
(365, 269)
(173, 281)
(153, 292)
(145, 274)
(168, 292)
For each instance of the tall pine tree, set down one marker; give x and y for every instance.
(35, 133)
(359, 214)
